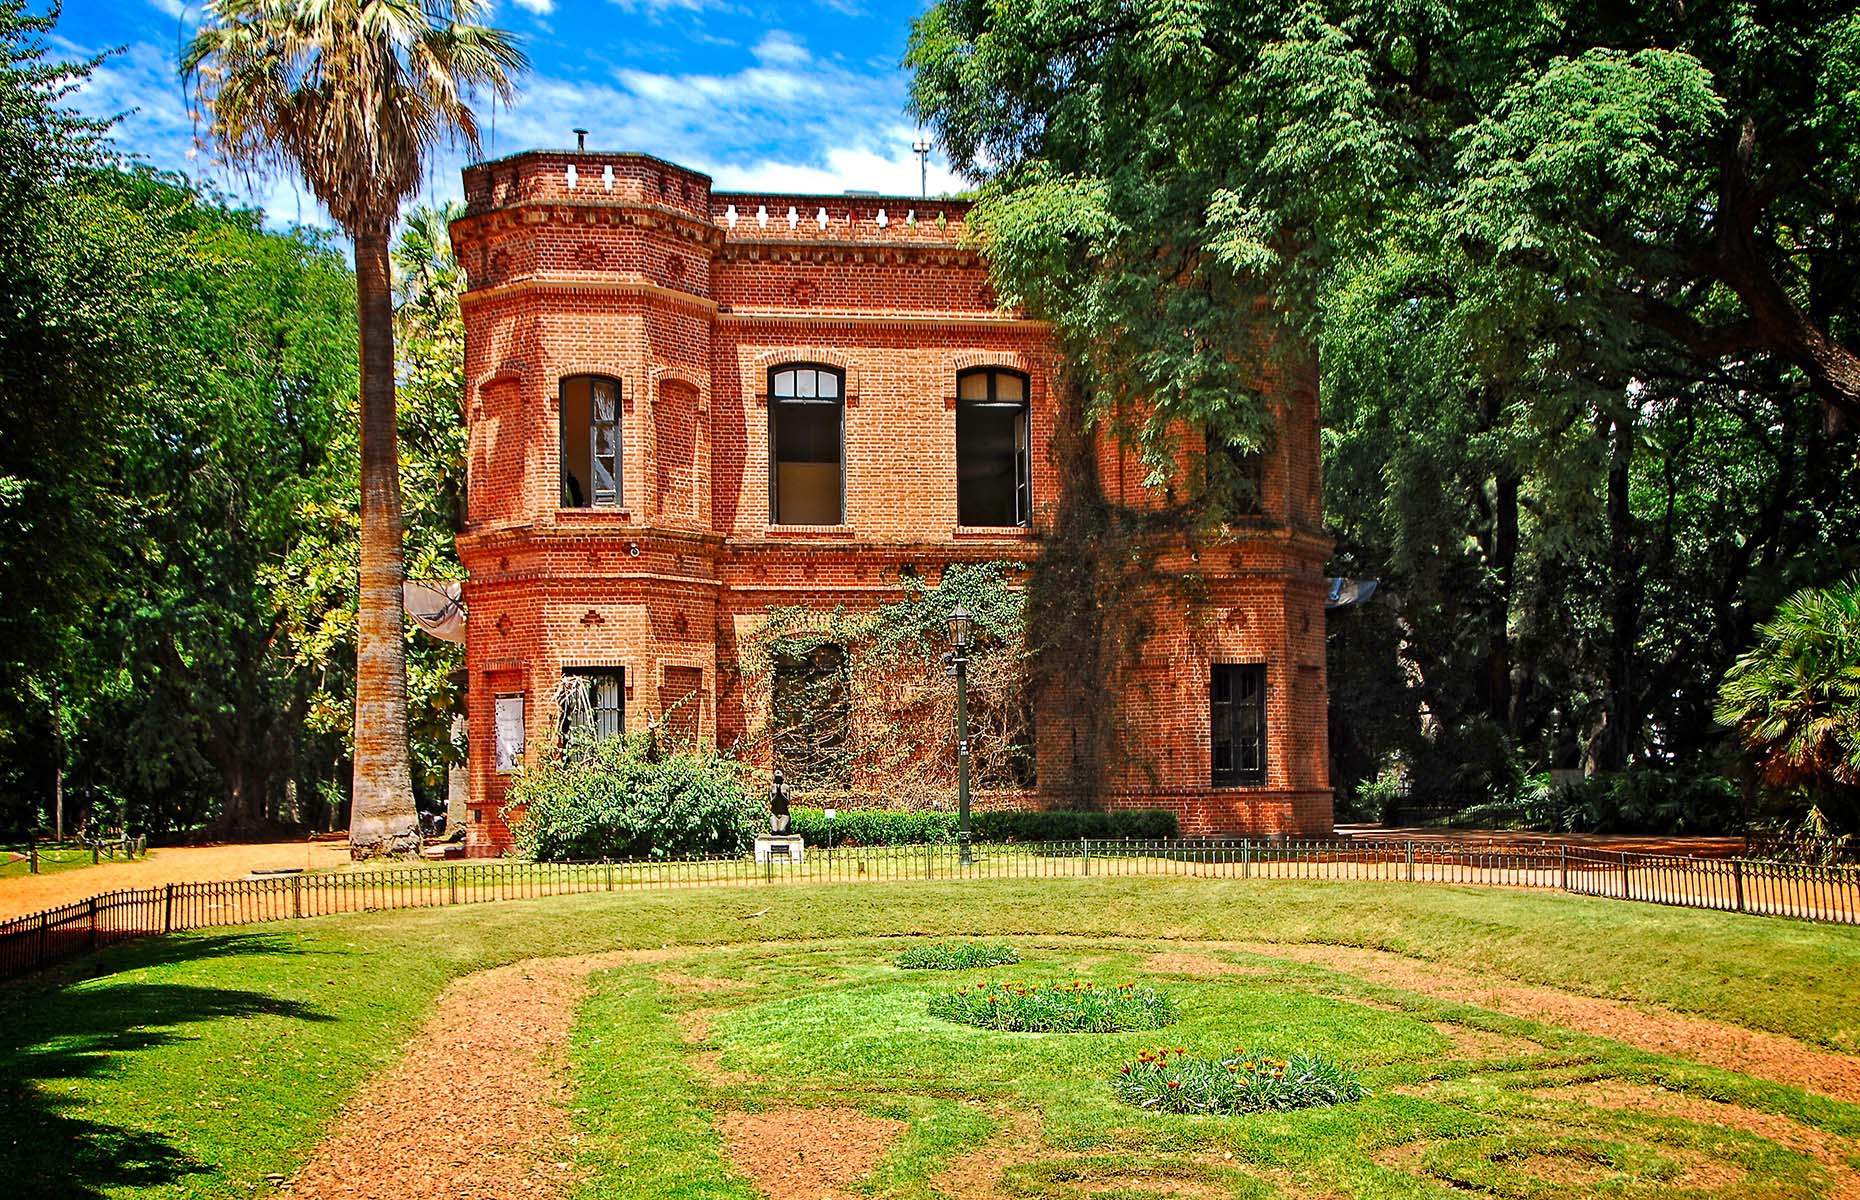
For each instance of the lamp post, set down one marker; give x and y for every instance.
(921, 148)
(961, 631)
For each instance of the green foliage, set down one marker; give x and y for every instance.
(897, 827)
(1064, 824)
(956, 956)
(624, 797)
(1077, 1006)
(1794, 698)
(1581, 286)
(1643, 800)
(1176, 1081)
(872, 826)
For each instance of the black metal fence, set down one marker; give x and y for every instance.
(1737, 885)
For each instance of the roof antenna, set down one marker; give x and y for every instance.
(581, 139)
(921, 148)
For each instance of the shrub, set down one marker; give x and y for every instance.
(1173, 1080)
(957, 956)
(872, 826)
(625, 798)
(1073, 1007)
(890, 827)
(1065, 825)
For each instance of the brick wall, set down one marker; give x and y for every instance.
(636, 271)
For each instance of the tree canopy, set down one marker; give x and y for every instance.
(1583, 289)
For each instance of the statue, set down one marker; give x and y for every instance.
(778, 806)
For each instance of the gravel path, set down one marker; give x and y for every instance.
(475, 1108)
(180, 864)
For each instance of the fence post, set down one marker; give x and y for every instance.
(1626, 891)
(610, 877)
(96, 853)
(1737, 877)
(167, 908)
(1410, 858)
(1246, 858)
(32, 848)
(1085, 853)
(452, 884)
(93, 922)
(44, 919)
(1562, 865)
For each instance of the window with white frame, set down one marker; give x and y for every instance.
(807, 445)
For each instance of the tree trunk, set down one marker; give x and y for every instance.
(382, 818)
(1625, 596)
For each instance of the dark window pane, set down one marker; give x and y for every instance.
(991, 449)
(1237, 723)
(591, 443)
(806, 469)
(1236, 476)
(596, 701)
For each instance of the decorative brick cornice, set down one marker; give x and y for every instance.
(890, 320)
(591, 284)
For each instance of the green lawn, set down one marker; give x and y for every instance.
(195, 1066)
(51, 859)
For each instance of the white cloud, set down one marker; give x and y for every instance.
(541, 8)
(891, 172)
(654, 8)
(784, 121)
(780, 48)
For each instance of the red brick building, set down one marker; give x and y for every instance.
(687, 406)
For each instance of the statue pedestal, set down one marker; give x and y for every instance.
(787, 846)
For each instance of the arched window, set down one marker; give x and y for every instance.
(807, 445)
(591, 442)
(992, 469)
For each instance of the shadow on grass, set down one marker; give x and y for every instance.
(68, 1029)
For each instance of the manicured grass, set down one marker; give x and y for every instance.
(835, 1026)
(196, 1065)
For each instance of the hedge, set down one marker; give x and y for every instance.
(886, 827)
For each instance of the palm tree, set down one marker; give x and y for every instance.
(1794, 698)
(352, 96)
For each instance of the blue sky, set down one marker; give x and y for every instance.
(804, 96)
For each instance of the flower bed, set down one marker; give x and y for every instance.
(1173, 1080)
(1073, 1007)
(957, 956)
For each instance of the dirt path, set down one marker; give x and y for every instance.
(474, 1110)
(179, 864)
(1748, 1052)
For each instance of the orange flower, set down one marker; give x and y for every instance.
(1175, 1083)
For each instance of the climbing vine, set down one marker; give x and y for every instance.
(848, 699)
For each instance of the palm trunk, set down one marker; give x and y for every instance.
(382, 819)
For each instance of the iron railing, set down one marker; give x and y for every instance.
(1738, 885)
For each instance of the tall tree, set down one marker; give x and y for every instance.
(352, 96)
(1556, 266)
